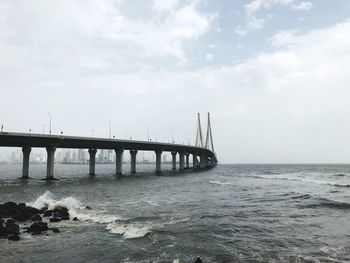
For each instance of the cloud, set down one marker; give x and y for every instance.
(73, 32)
(209, 57)
(256, 5)
(304, 6)
(251, 9)
(165, 5)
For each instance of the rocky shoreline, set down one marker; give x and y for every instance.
(12, 214)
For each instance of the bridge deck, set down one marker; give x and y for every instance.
(11, 139)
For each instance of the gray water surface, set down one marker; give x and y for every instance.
(233, 213)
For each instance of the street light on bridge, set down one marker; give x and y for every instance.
(50, 120)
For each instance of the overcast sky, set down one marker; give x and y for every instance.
(273, 73)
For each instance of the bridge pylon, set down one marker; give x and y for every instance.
(209, 144)
(199, 137)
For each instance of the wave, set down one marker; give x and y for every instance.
(339, 175)
(220, 183)
(83, 213)
(339, 185)
(327, 203)
(306, 180)
(128, 231)
(305, 196)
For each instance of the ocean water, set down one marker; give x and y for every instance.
(232, 213)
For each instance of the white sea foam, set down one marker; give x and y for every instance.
(128, 231)
(47, 200)
(302, 178)
(220, 183)
(77, 209)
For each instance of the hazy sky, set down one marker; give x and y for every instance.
(273, 73)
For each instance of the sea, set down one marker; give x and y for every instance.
(232, 213)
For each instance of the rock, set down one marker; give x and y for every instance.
(198, 260)
(10, 205)
(24, 213)
(8, 209)
(42, 210)
(10, 221)
(12, 228)
(13, 237)
(21, 206)
(61, 213)
(36, 218)
(2, 231)
(75, 219)
(55, 219)
(38, 227)
(65, 217)
(48, 213)
(88, 207)
(55, 230)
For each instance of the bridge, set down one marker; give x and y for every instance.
(203, 155)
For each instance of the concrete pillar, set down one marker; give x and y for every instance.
(203, 161)
(173, 154)
(195, 161)
(133, 161)
(158, 161)
(187, 160)
(25, 168)
(119, 161)
(182, 160)
(50, 162)
(92, 161)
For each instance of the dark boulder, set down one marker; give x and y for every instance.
(88, 207)
(13, 237)
(62, 213)
(12, 229)
(48, 213)
(198, 260)
(36, 218)
(38, 227)
(2, 231)
(22, 215)
(33, 210)
(42, 210)
(55, 230)
(21, 206)
(55, 219)
(75, 219)
(10, 221)
(10, 205)
(8, 209)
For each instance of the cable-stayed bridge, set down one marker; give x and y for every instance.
(202, 154)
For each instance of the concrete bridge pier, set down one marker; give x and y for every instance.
(92, 161)
(119, 161)
(187, 160)
(182, 160)
(195, 161)
(203, 161)
(50, 162)
(173, 155)
(133, 161)
(158, 161)
(25, 168)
